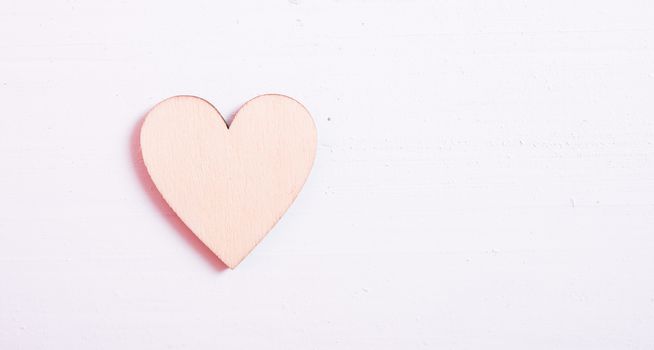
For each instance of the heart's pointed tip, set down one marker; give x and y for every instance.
(229, 260)
(232, 264)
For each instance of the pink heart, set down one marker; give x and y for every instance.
(229, 185)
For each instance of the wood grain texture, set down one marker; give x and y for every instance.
(229, 184)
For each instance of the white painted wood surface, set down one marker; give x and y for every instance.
(484, 175)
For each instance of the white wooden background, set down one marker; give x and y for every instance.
(484, 177)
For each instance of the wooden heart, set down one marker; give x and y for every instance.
(229, 184)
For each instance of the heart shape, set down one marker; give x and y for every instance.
(229, 184)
